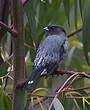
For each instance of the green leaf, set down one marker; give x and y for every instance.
(29, 64)
(57, 104)
(75, 12)
(3, 69)
(76, 43)
(5, 101)
(30, 9)
(86, 33)
(67, 9)
(81, 5)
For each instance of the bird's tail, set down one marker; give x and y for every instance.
(34, 78)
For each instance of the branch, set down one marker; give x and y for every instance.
(3, 24)
(24, 1)
(14, 32)
(74, 97)
(35, 106)
(76, 89)
(50, 96)
(61, 72)
(47, 96)
(68, 82)
(64, 90)
(4, 12)
(62, 87)
(9, 29)
(75, 32)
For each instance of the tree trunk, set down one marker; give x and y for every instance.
(19, 69)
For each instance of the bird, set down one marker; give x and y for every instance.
(50, 54)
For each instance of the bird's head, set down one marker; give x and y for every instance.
(54, 29)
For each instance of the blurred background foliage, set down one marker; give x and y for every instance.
(72, 15)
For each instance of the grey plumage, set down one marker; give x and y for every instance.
(50, 54)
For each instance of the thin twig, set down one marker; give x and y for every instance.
(76, 89)
(52, 96)
(66, 82)
(75, 97)
(48, 96)
(43, 101)
(75, 32)
(24, 2)
(14, 32)
(7, 28)
(40, 103)
(29, 46)
(62, 72)
(62, 87)
(64, 90)
(6, 81)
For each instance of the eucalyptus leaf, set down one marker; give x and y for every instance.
(67, 9)
(75, 12)
(5, 101)
(29, 64)
(86, 33)
(81, 5)
(3, 69)
(57, 104)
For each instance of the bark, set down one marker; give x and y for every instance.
(19, 69)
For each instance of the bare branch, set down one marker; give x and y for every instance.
(82, 74)
(76, 89)
(21, 84)
(75, 32)
(62, 87)
(4, 12)
(7, 28)
(24, 1)
(52, 96)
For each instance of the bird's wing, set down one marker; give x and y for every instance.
(63, 51)
(50, 50)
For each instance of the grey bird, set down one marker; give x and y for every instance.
(50, 54)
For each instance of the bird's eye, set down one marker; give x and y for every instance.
(52, 27)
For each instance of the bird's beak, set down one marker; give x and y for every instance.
(46, 29)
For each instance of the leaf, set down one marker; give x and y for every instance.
(70, 55)
(29, 64)
(57, 104)
(81, 5)
(76, 43)
(86, 33)
(67, 9)
(75, 12)
(3, 69)
(5, 101)
(30, 10)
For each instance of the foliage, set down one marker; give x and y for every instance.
(72, 15)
